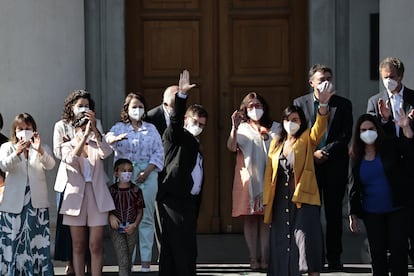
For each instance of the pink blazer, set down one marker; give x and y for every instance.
(75, 186)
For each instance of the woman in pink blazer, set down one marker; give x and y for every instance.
(86, 201)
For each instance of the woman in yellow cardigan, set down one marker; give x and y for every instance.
(291, 195)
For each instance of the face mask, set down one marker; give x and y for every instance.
(125, 176)
(255, 114)
(81, 109)
(369, 136)
(390, 84)
(24, 135)
(325, 86)
(291, 127)
(136, 113)
(195, 130)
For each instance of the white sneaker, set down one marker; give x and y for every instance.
(145, 269)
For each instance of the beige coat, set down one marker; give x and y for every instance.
(75, 186)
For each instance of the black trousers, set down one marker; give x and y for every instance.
(388, 232)
(178, 239)
(332, 178)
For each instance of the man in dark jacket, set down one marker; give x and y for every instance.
(178, 196)
(331, 157)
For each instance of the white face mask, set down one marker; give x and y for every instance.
(325, 86)
(390, 84)
(369, 136)
(255, 114)
(195, 130)
(81, 109)
(24, 135)
(291, 127)
(125, 176)
(136, 113)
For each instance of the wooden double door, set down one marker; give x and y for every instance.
(230, 47)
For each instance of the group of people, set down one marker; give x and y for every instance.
(85, 202)
(285, 172)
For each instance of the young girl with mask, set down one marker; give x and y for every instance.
(291, 196)
(380, 193)
(124, 220)
(250, 136)
(139, 141)
(24, 218)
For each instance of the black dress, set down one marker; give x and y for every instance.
(296, 238)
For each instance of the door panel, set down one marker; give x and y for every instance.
(230, 47)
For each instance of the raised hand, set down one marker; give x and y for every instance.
(324, 95)
(184, 83)
(236, 119)
(21, 145)
(37, 143)
(384, 109)
(404, 120)
(90, 114)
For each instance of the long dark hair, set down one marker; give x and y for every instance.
(285, 114)
(265, 120)
(357, 149)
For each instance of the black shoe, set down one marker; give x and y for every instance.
(335, 266)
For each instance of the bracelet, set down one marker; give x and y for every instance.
(323, 104)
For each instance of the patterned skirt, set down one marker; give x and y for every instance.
(25, 241)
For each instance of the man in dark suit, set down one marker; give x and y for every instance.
(387, 103)
(386, 106)
(178, 194)
(331, 157)
(160, 117)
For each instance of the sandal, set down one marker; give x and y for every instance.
(69, 269)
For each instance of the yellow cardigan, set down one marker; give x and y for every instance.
(306, 187)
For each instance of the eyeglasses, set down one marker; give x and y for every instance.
(197, 122)
(254, 105)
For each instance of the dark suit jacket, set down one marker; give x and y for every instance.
(340, 122)
(181, 150)
(3, 139)
(157, 118)
(396, 155)
(372, 107)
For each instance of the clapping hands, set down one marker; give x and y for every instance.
(384, 109)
